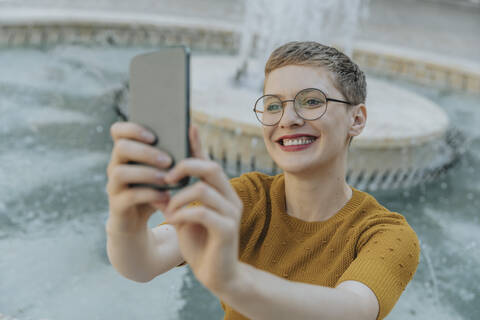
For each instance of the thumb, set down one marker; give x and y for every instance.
(196, 144)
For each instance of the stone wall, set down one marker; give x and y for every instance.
(41, 28)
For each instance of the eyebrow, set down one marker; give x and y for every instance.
(283, 97)
(276, 94)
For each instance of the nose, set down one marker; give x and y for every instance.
(290, 116)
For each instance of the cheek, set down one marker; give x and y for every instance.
(335, 127)
(267, 139)
(267, 134)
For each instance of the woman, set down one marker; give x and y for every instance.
(299, 245)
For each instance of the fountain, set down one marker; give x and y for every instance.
(408, 138)
(63, 73)
(327, 22)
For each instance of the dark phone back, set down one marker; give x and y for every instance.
(159, 97)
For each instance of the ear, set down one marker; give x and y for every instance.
(358, 119)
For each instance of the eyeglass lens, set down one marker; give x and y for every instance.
(310, 104)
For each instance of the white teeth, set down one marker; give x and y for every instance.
(293, 142)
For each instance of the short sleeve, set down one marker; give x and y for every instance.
(387, 258)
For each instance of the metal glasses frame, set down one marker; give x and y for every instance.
(283, 109)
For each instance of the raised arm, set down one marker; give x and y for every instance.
(131, 246)
(144, 255)
(263, 295)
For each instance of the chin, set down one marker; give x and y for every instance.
(295, 163)
(296, 166)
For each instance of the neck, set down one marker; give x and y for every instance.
(318, 195)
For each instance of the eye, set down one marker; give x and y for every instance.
(312, 102)
(272, 107)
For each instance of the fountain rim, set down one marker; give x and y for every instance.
(377, 144)
(412, 64)
(52, 17)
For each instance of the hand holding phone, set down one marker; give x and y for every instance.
(130, 208)
(159, 100)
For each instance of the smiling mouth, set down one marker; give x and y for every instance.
(297, 141)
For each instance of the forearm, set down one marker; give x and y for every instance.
(132, 254)
(261, 295)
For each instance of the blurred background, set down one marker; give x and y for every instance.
(63, 83)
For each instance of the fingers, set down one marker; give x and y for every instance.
(133, 142)
(206, 217)
(210, 197)
(126, 150)
(136, 196)
(208, 171)
(131, 146)
(131, 130)
(195, 144)
(123, 175)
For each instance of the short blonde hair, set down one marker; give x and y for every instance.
(350, 80)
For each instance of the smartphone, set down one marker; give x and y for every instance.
(159, 100)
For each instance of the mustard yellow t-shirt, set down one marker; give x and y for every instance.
(363, 241)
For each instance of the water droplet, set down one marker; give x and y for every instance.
(410, 255)
(285, 275)
(401, 265)
(331, 250)
(376, 241)
(391, 249)
(307, 248)
(382, 257)
(284, 243)
(399, 239)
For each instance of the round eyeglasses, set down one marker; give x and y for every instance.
(309, 104)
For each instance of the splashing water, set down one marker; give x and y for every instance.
(424, 251)
(269, 24)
